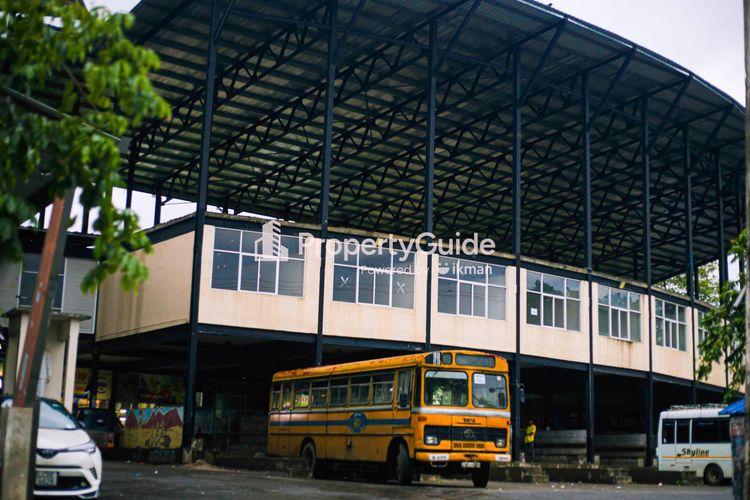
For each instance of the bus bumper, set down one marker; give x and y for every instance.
(438, 458)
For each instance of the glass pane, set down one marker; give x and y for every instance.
(464, 299)
(533, 314)
(533, 281)
(366, 287)
(560, 313)
(267, 280)
(547, 310)
(249, 241)
(603, 294)
(682, 346)
(291, 277)
(553, 284)
(226, 239)
(382, 388)
(660, 332)
(479, 301)
(382, 288)
(472, 271)
(574, 314)
(359, 389)
(345, 252)
(446, 388)
(447, 267)
(670, 310)
(495, 302)
(496, 275)
(681, 313)
(319, 393)
(573, 288)
(659, 307)
(403, 261)
(249, 274)
(293, 245)
(635, 326)
(31, 262)
(224, 273)
(603, 320)
(620, 299)
(344, 284)
(623, 324)
(635, 302)
(403, 291)
(28, 281)
(338, 391)
(302, 394)
(447, 290)
(374, 256)
(614, 321)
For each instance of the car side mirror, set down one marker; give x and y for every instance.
(403, 400)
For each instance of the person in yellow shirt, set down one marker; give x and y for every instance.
(528, 440)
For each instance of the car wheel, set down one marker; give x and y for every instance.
(311, 461)
(404, 466)
(481, 476)
(713, 475)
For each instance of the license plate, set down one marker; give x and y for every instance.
(439, 457)
(471, 465)
(502, 458)
(46, 478)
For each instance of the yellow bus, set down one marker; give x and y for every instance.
(445, 412)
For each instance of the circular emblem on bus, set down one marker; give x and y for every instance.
(357, 422)
(468, 434)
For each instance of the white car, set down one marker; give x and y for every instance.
(68, 463)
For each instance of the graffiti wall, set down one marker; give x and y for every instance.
(159, 428)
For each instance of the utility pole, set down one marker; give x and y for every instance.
(746, 468)
(19, 424)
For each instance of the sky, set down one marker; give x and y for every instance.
(704, 36)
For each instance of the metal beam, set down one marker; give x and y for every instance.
(200, 217)
(586, 167)
(326, 170)
(157, 206)
(430, 161)
(517, 164)
(690, 270)
(646, 201)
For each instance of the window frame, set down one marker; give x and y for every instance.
(542, 294)
(671, 322)
(620, 310)
(486, 286)
(240, 253)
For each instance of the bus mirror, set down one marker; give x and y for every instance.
(521, 393)
(403, 400)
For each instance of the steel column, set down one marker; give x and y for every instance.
(326, 172)
(587, 251)
(430, 170)
(132, 158)
(157, 206)
(516, 425)
(94, 374)
(690, 271)
(646, 190)
(722, 257)
(200, 219)
(85, 219)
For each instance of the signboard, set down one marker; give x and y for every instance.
(137, 388)
(153, 428)
(104, 385)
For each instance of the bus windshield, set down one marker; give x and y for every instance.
(446, 388)
(488, 390)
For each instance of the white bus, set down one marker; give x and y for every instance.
(695, 438)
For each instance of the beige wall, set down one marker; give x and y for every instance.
(669, 361)
(620, 353)
(260, 310)
(162, 301)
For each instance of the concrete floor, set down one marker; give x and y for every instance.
(131, 480)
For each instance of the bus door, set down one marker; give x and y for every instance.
(683, 448)
(403, 402)
(667, 451)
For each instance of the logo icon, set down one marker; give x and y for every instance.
(469, 434)
(357, 422)
(268, 246)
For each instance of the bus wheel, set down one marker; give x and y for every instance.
(311, 461)
(481, 476)
(404, 469)
(713, 475)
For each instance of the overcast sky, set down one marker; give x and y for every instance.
(704, 36)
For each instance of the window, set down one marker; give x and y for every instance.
(338, 391)
(286, 398)
(302, 394)
(667, 431)
(488, 391)
(28, 281)
(243, 261)
(670, 325)
(359, 390)
(553, 301)
(683, 430)
(710, 430)
(382, 388)
(444, 388)
(276, 397)
(404, 388)
(471, 288)
(370, 274)
(319, 393)
(619, 314)
(701, 327)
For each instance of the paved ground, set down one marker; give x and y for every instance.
(131, 480)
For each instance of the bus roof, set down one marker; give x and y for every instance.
(382, 364)
(693, 412)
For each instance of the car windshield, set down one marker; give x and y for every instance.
(446, 388)
(488, 391)
(53, 415)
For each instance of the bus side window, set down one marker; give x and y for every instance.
(667, 431)
(320, 392)
(302, 394)
(683, 430)
(276, 396)
(404, 388)
(286, 399)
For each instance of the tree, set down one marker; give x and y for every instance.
(82, 65)
(725, 329)
(708, 283)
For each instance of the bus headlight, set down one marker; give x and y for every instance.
(500, 442)
(431, 440)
